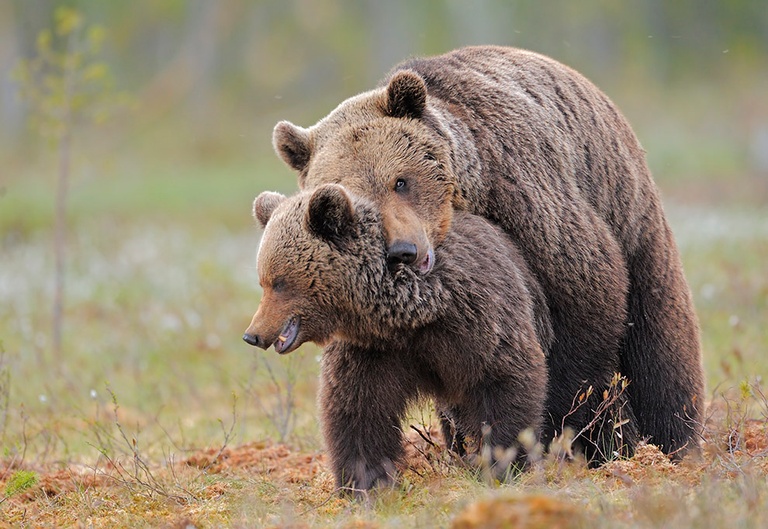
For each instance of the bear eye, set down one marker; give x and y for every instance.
(429, 156)
(278, 285)
(400, 184)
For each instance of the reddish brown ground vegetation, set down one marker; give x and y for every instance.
(303, 478)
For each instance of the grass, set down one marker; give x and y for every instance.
(157, 414)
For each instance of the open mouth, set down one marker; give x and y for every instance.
(284, 342)
(426, 264)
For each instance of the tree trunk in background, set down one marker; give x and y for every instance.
(11, 112)
(474, 20)
(391, 40)
(15, 42)
(199, 51)
(191, 73)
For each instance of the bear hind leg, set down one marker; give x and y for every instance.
(661, 353)
(494, 416)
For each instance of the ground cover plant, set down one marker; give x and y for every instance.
(156, 414)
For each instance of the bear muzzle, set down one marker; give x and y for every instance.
(285, 342)
(402, 252)
(254, 340)
(407, 253)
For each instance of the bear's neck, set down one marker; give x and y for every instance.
(390, 302)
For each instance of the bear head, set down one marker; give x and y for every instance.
(325, 274)
(379, 146)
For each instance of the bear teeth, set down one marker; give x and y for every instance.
(287, 336)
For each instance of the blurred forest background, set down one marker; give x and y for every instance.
(154, 279)
(210, 78)
(160, 276)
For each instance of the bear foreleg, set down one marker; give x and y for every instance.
(661, 354)
(363, 398)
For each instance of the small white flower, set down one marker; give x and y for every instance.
(93, 393)
(43, 398)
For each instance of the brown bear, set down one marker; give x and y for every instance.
(534, 147)
(471, 334)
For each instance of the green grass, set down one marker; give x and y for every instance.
(724, 252)
(161, 284)
(196, 196)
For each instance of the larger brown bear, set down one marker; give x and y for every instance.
(533, 146)
(471, 333)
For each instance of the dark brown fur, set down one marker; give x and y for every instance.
(471, 334)
(537, 149)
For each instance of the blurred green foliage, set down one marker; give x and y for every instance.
(211, 79)
(208, 63)
(65, 83)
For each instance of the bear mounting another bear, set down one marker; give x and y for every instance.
(535, 148)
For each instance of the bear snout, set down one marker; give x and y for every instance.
(402, 252)
(255, 341)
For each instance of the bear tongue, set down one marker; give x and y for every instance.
(287, 336)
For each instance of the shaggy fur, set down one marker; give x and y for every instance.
(533, 146)
(471, 334)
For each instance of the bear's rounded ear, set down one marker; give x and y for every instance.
(330, 213)
(292, 144)
(406, 95)
(264, 205)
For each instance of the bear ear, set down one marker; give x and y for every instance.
(292, 144)
(406, 95)
(331, 213)
(264, 205)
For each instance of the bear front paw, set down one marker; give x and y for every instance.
(361, 477)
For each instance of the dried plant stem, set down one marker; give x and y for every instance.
(60, 241)
(62, 192)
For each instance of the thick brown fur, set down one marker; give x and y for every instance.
(533, 146)
(471, 334)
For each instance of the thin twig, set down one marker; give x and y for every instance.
(423, 436)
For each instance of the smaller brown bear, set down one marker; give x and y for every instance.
(471, 334)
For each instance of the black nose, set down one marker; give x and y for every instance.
(401, 252)
(252, 339)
